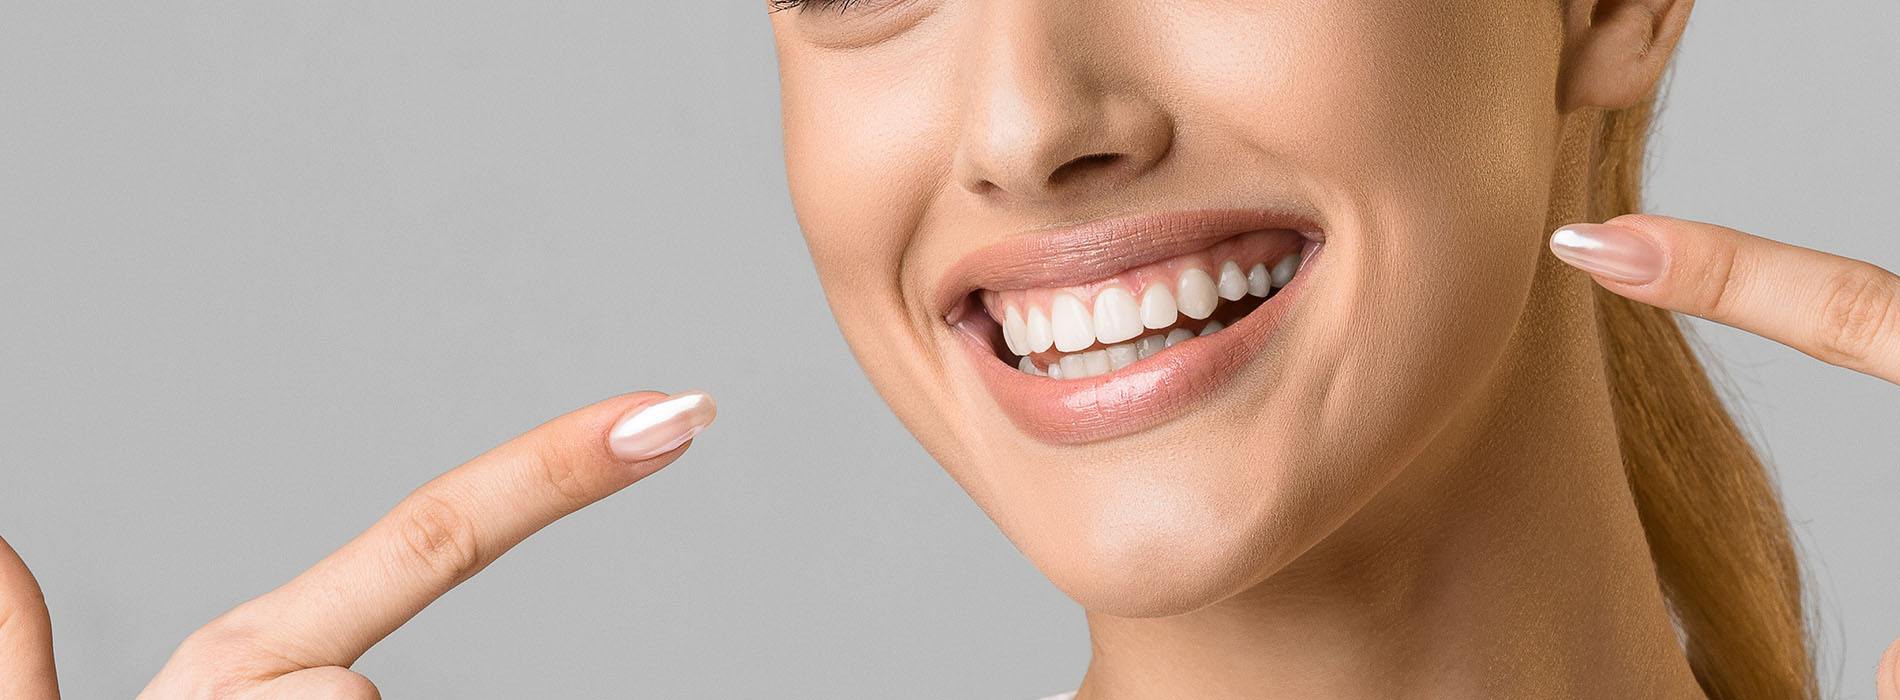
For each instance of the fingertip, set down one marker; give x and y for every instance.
(658, 428)
(1609, 252)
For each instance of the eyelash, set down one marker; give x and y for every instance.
(802, 5)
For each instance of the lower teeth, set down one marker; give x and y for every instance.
(1081, 365)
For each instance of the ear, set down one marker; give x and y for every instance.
(1615, 50)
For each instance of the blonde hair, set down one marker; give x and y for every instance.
(1709, 508)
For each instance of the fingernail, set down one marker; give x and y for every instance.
(658, 428)
(1611, 251)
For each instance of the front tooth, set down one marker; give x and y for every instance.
(1122, 355)
(1014, 331)
(1096, 361)
(1211, 328)
(1233, 282)
(1177, 335)
(1157, 307)
(1147, 347)
(1194, 294)
(1117, 318)
(1259, 281)
(1073, 366)
(1037, 334)
(1055, 370)
(1070, 320)
(1283, 271)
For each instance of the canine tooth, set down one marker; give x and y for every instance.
(1096, 361)
(1211, 328)
(1259, 281)
(1122, 355)
(1194, 294)
(1014, 331)
(1283, 270)
(1070, 320)
(1074, 367)
(1233, 282)
(1177, 335)
(1024, 365)
(1037, 334)
(1148, 346)
(1157, 307)
(1117, 318)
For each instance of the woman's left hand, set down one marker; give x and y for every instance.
(1838, 310)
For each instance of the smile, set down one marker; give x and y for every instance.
(1106, 329)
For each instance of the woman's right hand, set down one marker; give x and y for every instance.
(300, 639)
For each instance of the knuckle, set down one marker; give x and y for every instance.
(1715, 282)
(1860, 308)
(437, 540)
(218, 660)
(566, 480)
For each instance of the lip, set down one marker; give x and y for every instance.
(1150, 391)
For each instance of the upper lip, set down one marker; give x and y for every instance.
(1090, 251)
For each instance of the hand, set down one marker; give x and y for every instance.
(1841, 311)
(300, 639)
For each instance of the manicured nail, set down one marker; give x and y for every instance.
(658, 428)
(1611, 251)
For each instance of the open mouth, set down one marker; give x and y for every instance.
(1112, 327)
(1077, 332)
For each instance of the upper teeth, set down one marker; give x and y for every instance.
(1118, 315)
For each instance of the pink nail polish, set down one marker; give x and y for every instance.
(1611, 251)
(659, 428)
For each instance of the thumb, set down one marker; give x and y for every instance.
(26, 633)
(1887, 678)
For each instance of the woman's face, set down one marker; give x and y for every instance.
(982, 179)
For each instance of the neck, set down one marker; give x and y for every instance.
(1506, 561)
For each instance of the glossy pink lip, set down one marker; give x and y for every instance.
(1143, 394)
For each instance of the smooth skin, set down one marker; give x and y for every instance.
(297, 641)
(1014, 136)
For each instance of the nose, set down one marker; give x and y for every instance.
(1046, 113)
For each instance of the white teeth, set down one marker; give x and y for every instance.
(1117, 318)
(1073, 328)
(1157, 307)
(1122, 355)
(1055, 370)
(1283, 270)
(1259, 281)
(1211, 328)
(1177, 335)
(1037, 334)
(1026, 366)
(1194, 294)
(1073, 366)
(1233, 282)
(1014, 331)
(1096, 362)
(1147, 347)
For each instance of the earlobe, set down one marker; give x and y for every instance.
(1616, 50)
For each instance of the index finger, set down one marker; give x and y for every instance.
(453, 526)
(1838, 310)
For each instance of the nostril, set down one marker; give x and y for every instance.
(1083, 165)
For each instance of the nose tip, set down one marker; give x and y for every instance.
(1115, 145)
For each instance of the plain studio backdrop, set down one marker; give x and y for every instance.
(266, 267)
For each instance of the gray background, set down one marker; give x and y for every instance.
(267, 266)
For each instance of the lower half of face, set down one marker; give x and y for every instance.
(1172, 294)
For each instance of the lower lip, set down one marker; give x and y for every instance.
(1137, 397)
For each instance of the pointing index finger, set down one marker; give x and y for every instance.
(456, 524)
(1839, 310)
